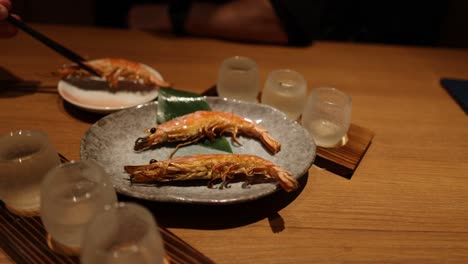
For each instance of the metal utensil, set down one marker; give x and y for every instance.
(67, 53)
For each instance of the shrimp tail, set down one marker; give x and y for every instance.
(270, 143)
(273, 145)
(284, 178)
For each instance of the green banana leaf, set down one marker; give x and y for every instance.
(173, 103)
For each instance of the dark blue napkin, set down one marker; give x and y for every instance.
(458, 89)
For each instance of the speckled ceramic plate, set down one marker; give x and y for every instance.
(94, 94)
(110, 142)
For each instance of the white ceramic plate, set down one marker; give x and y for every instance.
(93, 94)
(110, 142)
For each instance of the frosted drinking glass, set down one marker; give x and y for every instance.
(123, 233)
(327, 116)
(71, 194)
(25, 158)
(285, 90)
(238, 79)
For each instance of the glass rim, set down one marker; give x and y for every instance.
(43, 142)
(143, 212)
(101, 180)
(76, 162)
(348, 99)
(239, 58)
(299, 78)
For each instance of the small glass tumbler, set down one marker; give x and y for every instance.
(285, 90)
(238, 79)
(327, 116)
(123, 233)
(71, 194)
(25, 158)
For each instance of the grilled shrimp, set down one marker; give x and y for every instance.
(211, 167)
(193, 127)
(112, 69)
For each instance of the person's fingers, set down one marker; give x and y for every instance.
(3, 12)
(7, 29)
(6, 3)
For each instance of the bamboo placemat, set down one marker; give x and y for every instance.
(25, 240)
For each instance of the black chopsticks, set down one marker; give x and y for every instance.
(52, 44)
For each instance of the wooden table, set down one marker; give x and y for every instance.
(407, 201)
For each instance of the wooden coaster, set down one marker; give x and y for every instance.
(343, 160)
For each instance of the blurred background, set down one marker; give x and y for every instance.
(424, 23)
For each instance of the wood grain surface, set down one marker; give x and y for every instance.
(406, 202)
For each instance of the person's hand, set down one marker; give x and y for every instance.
(6, 29)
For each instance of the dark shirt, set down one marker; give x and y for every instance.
(394, 22)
